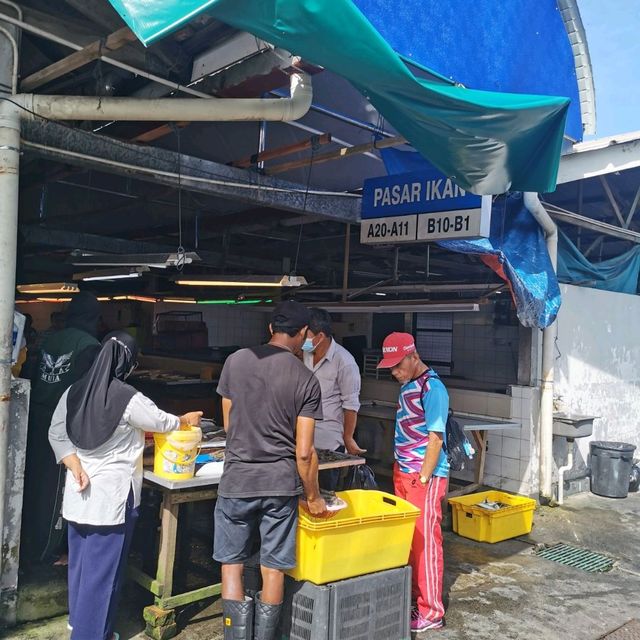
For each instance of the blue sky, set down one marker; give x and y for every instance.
(613, 36)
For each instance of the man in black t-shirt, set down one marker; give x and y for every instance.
(270, 402)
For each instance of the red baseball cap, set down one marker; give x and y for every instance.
(394, 348)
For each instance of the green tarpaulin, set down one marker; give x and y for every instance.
(488, 142)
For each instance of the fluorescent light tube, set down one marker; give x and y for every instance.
(48, 287)
(111, 274)
(241, 281)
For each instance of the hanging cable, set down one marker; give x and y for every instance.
(314, 147)
(181, 251)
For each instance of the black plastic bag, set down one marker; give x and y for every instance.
(360, 477)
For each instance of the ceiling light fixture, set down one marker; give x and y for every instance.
(241, 281)
(48, 287)
(220, 301)
(111, 274)
(158, 260)
(54, 299)
(180, 300)
(406, 307)
(135, 298)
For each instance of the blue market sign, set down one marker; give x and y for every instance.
(412, 207)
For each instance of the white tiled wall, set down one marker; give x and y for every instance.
(511, 460)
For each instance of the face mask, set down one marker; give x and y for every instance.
(308, 346)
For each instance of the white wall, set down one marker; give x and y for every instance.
(598, 365)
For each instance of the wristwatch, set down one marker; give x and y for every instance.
(423, 479)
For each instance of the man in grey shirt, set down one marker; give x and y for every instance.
(339, 377)
(270, 403)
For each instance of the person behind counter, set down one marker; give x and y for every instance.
(339, 377)
(421, 470)
(97, 432)
(270, 402)
(64, 357)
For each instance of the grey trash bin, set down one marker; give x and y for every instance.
(611, 464)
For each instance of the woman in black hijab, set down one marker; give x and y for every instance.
(97, 432)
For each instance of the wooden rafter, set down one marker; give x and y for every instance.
(78, 59)
(343, 152)
(158, 132)
(278, 152)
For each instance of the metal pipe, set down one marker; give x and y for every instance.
(150, 76)
(14, 46)
(341, 117)
(562, 470)
(9, 166)
(533, 204)
(172, 109)
(345, 268)
(262, 142)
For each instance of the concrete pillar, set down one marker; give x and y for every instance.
(9, 168)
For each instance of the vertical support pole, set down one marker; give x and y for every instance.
(9, 176)
(533, 204)
(345, 268)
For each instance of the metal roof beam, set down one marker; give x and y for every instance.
(612, 200)
(151, 164)
(65, 239)
(568, 217)
(600, 157)
(633, 208)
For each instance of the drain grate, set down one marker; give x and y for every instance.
(575, 557)
(628, 631)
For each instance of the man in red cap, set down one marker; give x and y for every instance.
(421, 470)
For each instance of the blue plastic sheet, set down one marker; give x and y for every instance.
(488, 142)
(521, 47)
(516, 249)
(615, 274)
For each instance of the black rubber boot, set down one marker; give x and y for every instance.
(237, 619)
(267, 617)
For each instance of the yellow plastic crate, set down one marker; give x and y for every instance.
(480, 524)
(373, 533)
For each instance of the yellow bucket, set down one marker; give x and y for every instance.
(176, 453)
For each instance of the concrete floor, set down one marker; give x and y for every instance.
(499, 591)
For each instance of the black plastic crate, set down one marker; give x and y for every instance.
(371, 607)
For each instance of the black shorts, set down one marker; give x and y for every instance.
(242, 524)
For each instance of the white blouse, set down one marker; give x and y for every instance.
(113, 468)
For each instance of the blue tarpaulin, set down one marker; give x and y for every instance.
(521, 47)
(615, 274)
(488, 142)
(516, 249)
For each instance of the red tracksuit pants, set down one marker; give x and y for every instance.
(426, 557)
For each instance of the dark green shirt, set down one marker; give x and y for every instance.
(64, 357)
